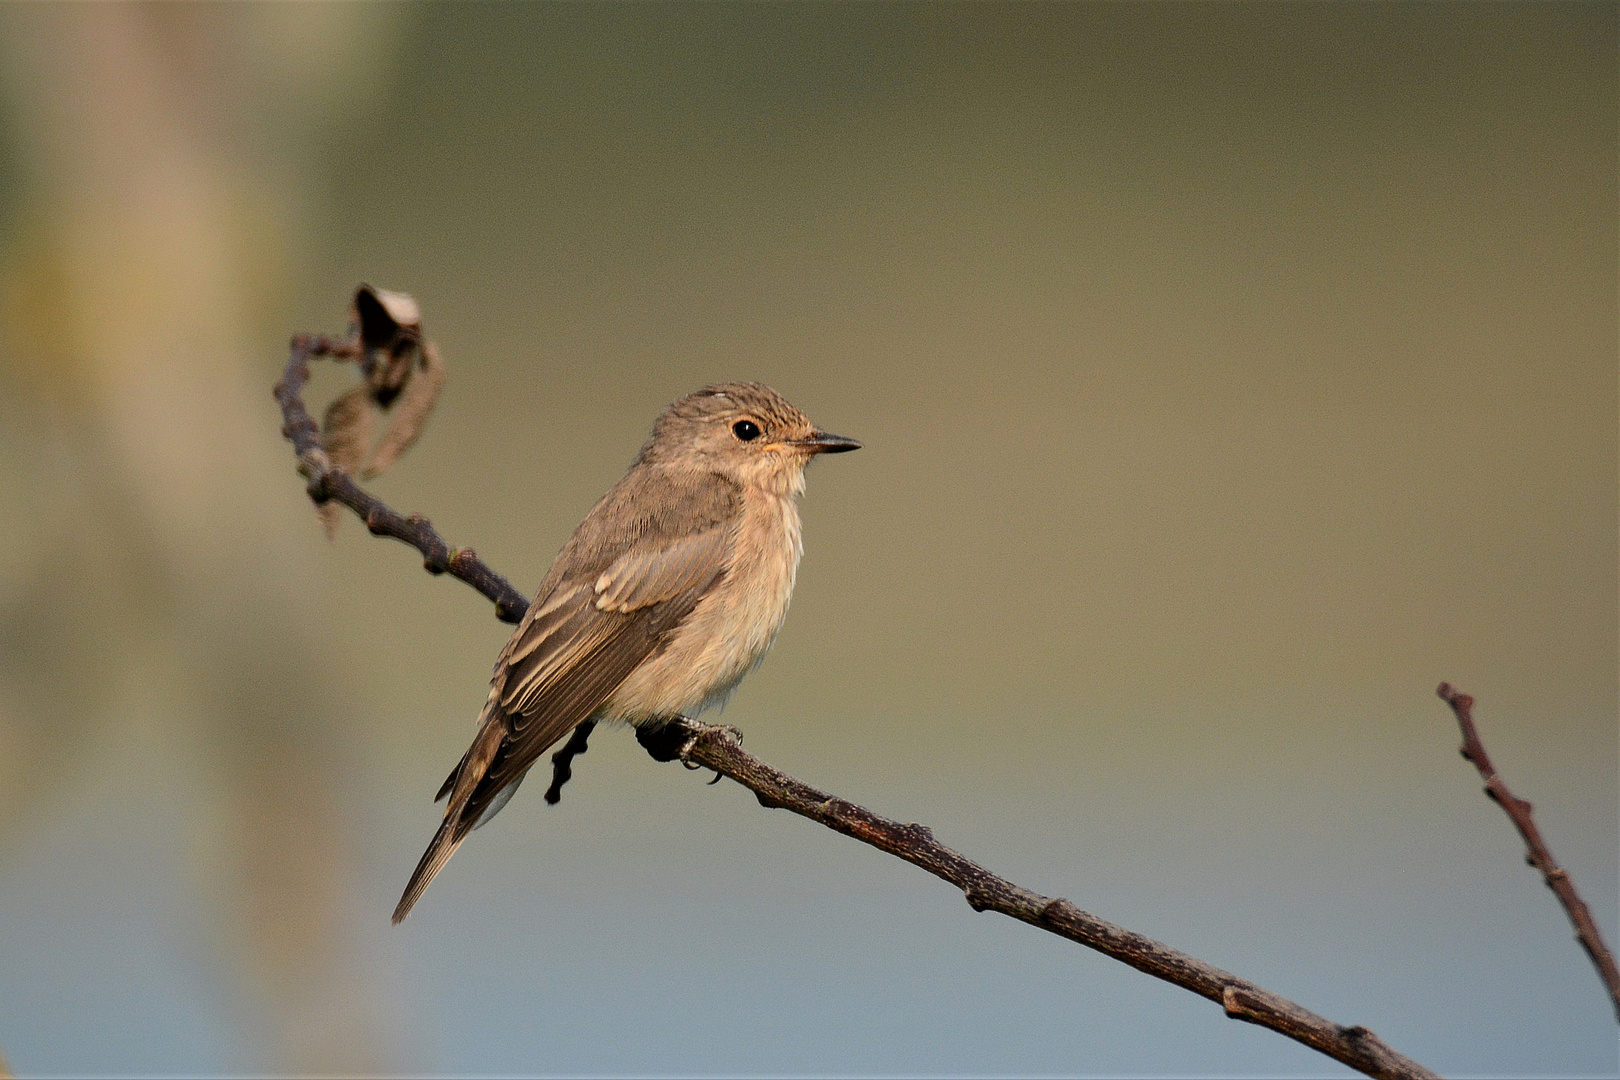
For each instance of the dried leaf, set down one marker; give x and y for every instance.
(331, 514)
(420, 394)
(402, 373)
(346, 431)
(386, 313)
(347, 427)
(390, 335)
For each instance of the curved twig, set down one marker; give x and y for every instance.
(1538, 855)
(717, 748)
(328, 483)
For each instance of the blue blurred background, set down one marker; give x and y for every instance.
(1229, 376)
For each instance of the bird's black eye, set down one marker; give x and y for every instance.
(746, 430)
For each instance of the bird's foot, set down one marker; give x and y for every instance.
(676, 740)
(698, 731)
(666, 742)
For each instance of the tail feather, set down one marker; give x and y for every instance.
(458, 822)
(449, 784)
(449, 837)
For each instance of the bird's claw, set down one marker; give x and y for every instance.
(685, 752)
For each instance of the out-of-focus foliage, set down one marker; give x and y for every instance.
(158, 185)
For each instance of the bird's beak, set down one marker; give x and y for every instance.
(822, 443)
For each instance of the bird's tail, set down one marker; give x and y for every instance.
(449, 837)
(457, 821)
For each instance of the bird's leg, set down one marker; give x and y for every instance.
(563, 760)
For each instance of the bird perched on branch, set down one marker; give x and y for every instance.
(668, 593)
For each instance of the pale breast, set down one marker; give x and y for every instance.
(729, 631)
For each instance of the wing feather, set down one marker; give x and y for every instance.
(644, 576)
(559, 668)
(583, 637)
(586, 657)
(569, 637)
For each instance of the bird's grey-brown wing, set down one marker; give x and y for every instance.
(594, 640)
(571, 652)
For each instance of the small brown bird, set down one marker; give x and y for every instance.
(668, 593)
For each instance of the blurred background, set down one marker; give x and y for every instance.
(1229, 375)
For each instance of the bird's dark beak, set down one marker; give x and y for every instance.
(823, 443)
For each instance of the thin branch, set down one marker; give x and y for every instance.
(1538, 855)
(328, 483)
(717, 748)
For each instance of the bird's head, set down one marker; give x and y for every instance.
(746, 432)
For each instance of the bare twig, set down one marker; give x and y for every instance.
(1539, 855)
(717, 748)
(329, 483)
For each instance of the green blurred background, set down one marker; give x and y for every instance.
(1229, 376)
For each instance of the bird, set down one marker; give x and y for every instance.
(667, 594)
